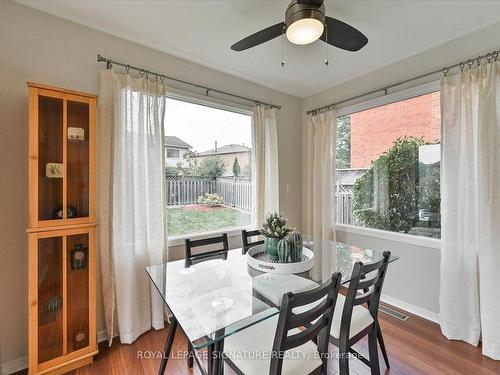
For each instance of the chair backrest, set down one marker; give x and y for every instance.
(365, 286)
(317, 321)
(219, 253)
(245, 235)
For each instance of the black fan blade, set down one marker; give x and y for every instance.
(259, 37)
(316, 3)
(342, 35)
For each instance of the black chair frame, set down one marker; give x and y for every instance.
(316, 321)
(245, 235)
(191, 258)
(364, 287)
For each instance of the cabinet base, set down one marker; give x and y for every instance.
(63, 369)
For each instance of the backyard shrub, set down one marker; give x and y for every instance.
(211, 200)
(388, 196)
(211, 167)
(236, 167)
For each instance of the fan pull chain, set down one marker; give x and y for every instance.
(282, 50)
(326, 45)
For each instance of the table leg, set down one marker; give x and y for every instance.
(221, 360)
(211, 360)
(168, 345)
(191, 354)
(215, 362)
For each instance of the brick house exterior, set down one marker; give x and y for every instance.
(373, 131)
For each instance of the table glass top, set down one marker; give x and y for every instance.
(218, 297)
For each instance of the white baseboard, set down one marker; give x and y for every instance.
(15, 365)
(415, 310)
(102, 336)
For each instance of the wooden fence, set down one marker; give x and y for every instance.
(237, 192)
(343, 206)
(186, 190)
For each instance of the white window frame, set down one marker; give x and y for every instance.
(223, 104)
(409, 93)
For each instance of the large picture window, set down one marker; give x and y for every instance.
(208, 178)
(388, 167)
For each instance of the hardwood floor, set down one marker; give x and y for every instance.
(415, 347)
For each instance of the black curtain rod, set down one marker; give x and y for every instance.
(110, 63)
(489, 56)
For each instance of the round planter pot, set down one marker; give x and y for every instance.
(271, 246)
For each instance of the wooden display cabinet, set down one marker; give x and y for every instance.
(61, 157)
(62, 229)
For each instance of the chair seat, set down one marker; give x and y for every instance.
(273, 286)
(250, 350)
(361, 317)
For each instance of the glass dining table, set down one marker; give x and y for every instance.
(223, 295)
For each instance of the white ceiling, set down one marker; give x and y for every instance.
(202, 32)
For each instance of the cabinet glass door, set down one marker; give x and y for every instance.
(77, 159)
(77, 274)
(50, 158)
(50, 298)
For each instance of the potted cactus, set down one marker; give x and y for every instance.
(296, 246)
(283, 250)
(274, 229)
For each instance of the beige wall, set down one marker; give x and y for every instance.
(42, 48)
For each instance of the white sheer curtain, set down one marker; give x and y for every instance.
(131, 210)
(265, 171)
(319, 216)
(470, 205)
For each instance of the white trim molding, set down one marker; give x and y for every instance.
(397, 96)
(14, 365)
(412, 309)
(411, 239)
(208, 101)
(179, 240)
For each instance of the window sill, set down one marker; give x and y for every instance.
(180, 240)
(432, 243)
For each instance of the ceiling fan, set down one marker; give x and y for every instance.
(306, 22)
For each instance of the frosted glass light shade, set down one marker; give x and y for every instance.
(304, 31)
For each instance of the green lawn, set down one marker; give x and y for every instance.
(195, 219)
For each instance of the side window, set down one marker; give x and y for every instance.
(388, 167)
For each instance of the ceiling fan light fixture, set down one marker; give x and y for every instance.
(304, 21)
(304, 31)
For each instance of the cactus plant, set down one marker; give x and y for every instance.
(295, 241)
(283, 251)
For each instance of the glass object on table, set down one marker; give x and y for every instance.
(50, 157)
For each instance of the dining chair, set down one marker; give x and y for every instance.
(191, 258)
(352, 321)
(245, 235)
(292, 351)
